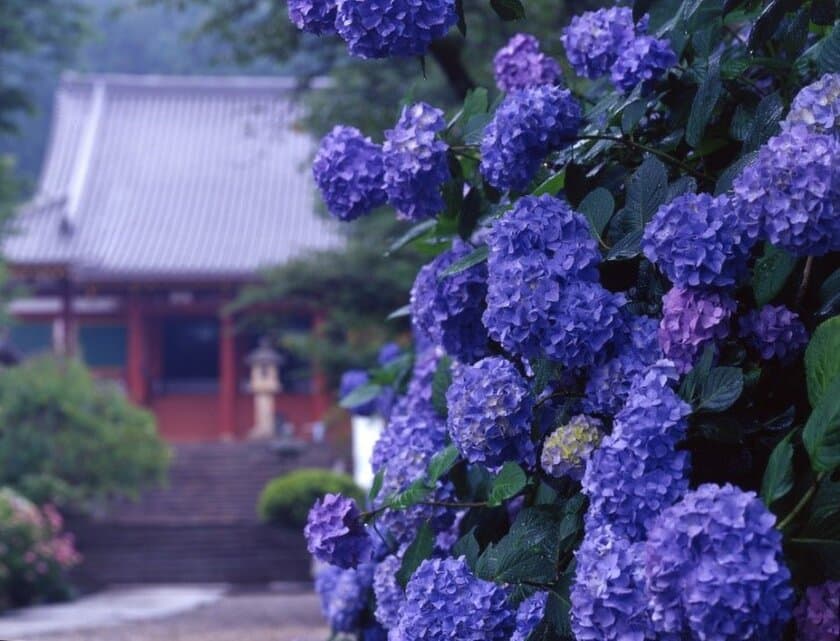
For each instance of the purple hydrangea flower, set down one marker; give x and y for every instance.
(818, 613)
(691, 320)
(352, 380)
(343, 595)
(608, 595)
(593, 40)
(335, 533)
(817, 106)
(698, 240)
(489, 417)
(774, 332)
(447, 309)
(715, 568)
(534, 251)
(528, 125)
(314, 16)
(415, 162)
(444, 600)
(388, 353)
(399, 28)
(349, 171)
(636, 349)
(638, 471)
(528, 615)
(389, 593)
(520, 64)
(567, 449)
(643, 61)
(792, 191)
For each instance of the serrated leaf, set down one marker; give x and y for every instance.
(646, 190)
(682, 185)
(440, 385)
(415, 493)
(598, 208)
(822, 359)
(768, 21)
(417, 231)
(361, 395)
(720, 390)
(508, 9)
(441, 463)
(467, 546)
(419, 550)
(729, 174)
(552, 185)
(821, 435)
(828, 58)
(628, 247)
(703, 106)
(778, 475)
(766, 121)
(509, 482)
(475, 257)
(770, 274)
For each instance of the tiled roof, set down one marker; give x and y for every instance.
(152, 177)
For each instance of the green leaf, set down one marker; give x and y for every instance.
(441, 463)
(824, 518)
(721, 389)
(770, 274)
(402, 312)
(632, 114)
(628, 247)
(467, 546)
(598, 207)
(474, 128)
(376, 486)
(419, 550)
(361, 395)
(419, 230)
(729, 174)
(822, 359)
(415, 493)
(703, 106)
(440, 385)
(508, 9)
(647, 190)
(778, 475)
(766, 121)
(509, 482)
(822, 431)
(552, 185)
(475, 257)
(693, 382)
(828, 58)
(768, 21)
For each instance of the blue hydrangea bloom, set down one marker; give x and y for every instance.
(567, 448)
(444, 600)
(393, 28)
(448, 309)
(715, 568)
(349, 171)
(415, 162)
(642, 61)
(638, 471)
(698, 240)
(774, 332)
(389, 594)
(343, 595)
(520, 64)
(608, 595)
(636, 349)
(792, 191)
(534, 251)
(593, 40)
(352, 380)
(528, 615)
(335, 533)
(691, 320)
(818, 613)
(489, 419)
(528, 125)
(388, 353)
(817, 106)
(314, 16)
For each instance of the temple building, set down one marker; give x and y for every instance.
(159, 199)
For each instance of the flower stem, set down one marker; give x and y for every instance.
(806, 278)
(651, 150)
(806, 498)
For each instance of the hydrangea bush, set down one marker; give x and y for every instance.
(621, 417)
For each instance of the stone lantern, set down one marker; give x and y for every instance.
(265, 383)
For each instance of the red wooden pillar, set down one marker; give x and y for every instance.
(136, 366)
(68, 326)
(227, 378)
(322, 401)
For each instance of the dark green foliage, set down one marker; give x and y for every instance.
(67, 439)
(287, 499)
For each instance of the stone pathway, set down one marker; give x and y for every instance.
(196, 613)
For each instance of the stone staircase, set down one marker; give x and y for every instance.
(203, 526)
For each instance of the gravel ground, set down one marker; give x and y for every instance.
(238, 616)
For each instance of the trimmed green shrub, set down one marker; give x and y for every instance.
(286, 500)
(70, 440)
